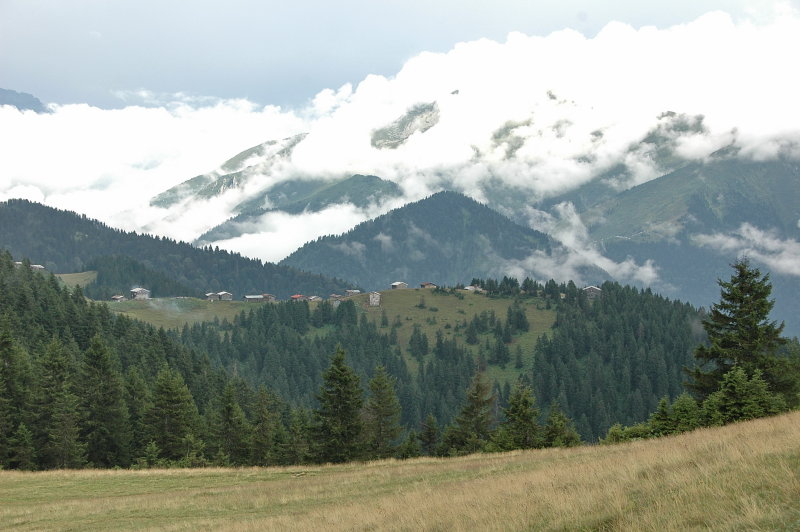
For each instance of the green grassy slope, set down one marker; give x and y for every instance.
(739, 477)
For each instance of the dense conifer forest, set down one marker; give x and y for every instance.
(65, 242)
(290, 383)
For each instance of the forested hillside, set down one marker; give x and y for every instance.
(65, 242)
(611, 361)
(606, 361)
(446, 239)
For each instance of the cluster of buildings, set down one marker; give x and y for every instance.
(592, 292)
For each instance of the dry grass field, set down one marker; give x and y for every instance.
(740, 477)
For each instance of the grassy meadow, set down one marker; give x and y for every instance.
(444, 310)
(80, 279)
(740, 477)
(174, 313)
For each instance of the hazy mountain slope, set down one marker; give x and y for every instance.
(233, 173)
(66, 242)
(298, 196)
(718, 195)
(670, 221)
(22, 101)
(447, 238)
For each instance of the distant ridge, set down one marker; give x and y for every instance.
(67, 242)
(22, 101)
(446, 238)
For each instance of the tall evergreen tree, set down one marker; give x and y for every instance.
(473, 425)
(106, 429)
(520, 429)
(429, 435)
(231, 429)
(559, 430)
(337, 422)
(172, 415)
(740, 334)
(64, 447)
(382, 415)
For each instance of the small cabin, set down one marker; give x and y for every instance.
(140, 293)
(314, 298)
(349, 293)
(427, 285)
(117, 298)
(212, 296)
(397, 285)
(374, 299)
(258, 298)
(298, 298)
(592, 292)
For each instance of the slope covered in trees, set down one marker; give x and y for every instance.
(446, 238)
(65, 242)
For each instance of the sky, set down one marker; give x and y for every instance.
(104, 52)
(145, 95)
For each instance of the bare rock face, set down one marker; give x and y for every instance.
(420, 118)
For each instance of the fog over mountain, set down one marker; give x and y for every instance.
(511, 123)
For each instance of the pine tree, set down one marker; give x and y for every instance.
(472, 428)
(740, 399)
(265, 428)
(382, 415)
(15, 389)
(231, 429)
(429, 436)
(23, 452)
(172, 415)
(685, 413)
(559, 430)
(520, 430)
(337, 422)
(104, 413)
(662, 421)
(410, 447)
(740, 334)
(64, 446)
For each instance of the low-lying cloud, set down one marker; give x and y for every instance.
(543, 114)
(765, 246)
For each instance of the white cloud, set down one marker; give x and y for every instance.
(573, 107)
(571, 260)
(765, 246)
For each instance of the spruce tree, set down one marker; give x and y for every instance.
(382, 415)
(231, 429)
(265, 429)
(741, 334)
(740, 399)
(23, 452)
(472, 428)
(429, 435)
(559, 430)
(64, 447)
(104, 412)
(337, 422)
(520, 429)
(172, 415)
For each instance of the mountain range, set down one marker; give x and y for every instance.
(445, 239)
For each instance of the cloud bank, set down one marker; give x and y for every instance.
(544, 114)
(779, 255)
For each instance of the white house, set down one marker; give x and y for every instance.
(398, 285)
(140, 293)
(374, 299)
